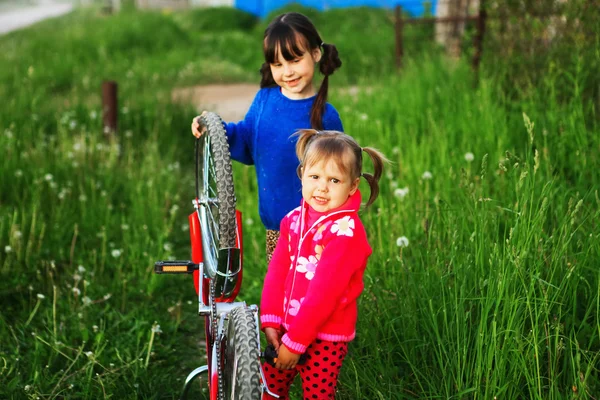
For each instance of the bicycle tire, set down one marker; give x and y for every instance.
(214, 183)
(241, 369)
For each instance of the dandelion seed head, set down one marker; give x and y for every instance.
(41, 296)
(469, 157)
(426, 176)
(402, 241)
(401, 192)
(116, 253)
(27, 388)
(364, 117)
(48, 177)
(7, 249)
(156, 329)
(81, 268)
(76, 291)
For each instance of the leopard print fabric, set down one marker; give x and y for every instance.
(272, 238)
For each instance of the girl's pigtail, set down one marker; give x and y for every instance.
(266, 76)
(373, 179)
(330, 61)
(304, 138)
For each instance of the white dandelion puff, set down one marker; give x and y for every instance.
(41, 296)
(402, 241)
(116, 253)
(48, 177)
(401, 192)
(156, 329)
(81, 269)
(426, 176)
(469, 157)
(7, 249)
(76, 291)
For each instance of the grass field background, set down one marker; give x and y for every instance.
(492, 194)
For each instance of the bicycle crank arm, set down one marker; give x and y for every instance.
(175, 267)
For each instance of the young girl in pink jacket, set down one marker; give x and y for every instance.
(309, 299)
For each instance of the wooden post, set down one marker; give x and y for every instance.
(478, 39)
(109, 107)
(399, 45)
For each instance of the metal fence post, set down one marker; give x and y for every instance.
(478, 39)
(399, 45)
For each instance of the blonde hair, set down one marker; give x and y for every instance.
(314, 145)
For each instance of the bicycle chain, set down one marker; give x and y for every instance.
(221, 394)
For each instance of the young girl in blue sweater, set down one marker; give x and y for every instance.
(286, 103)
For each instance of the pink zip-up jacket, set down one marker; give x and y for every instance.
(316, 276)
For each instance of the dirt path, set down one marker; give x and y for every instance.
(15, 16)
(230, 101)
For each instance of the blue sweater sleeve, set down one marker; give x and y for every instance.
(331, 119)
(240, 136)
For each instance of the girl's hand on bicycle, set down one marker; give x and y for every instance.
(286, 359)
(198, 129)
(273, 337)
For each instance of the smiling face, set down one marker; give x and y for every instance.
(295, 76)
(325, 186)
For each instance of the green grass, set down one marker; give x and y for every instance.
(496, 294)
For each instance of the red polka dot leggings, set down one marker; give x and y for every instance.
(319, 374)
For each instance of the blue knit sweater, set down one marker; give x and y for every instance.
(263, 138)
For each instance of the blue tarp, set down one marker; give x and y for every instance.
(261, 8)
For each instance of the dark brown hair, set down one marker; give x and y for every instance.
(314, 146)
(294, 34)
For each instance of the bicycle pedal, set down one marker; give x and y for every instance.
(175, 267)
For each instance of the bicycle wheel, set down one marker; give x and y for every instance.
(214, 190)
(241, 362)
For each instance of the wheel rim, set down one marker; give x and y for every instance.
(208, 198)
(229, 369)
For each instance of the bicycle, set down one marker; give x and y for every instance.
(232, 335)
